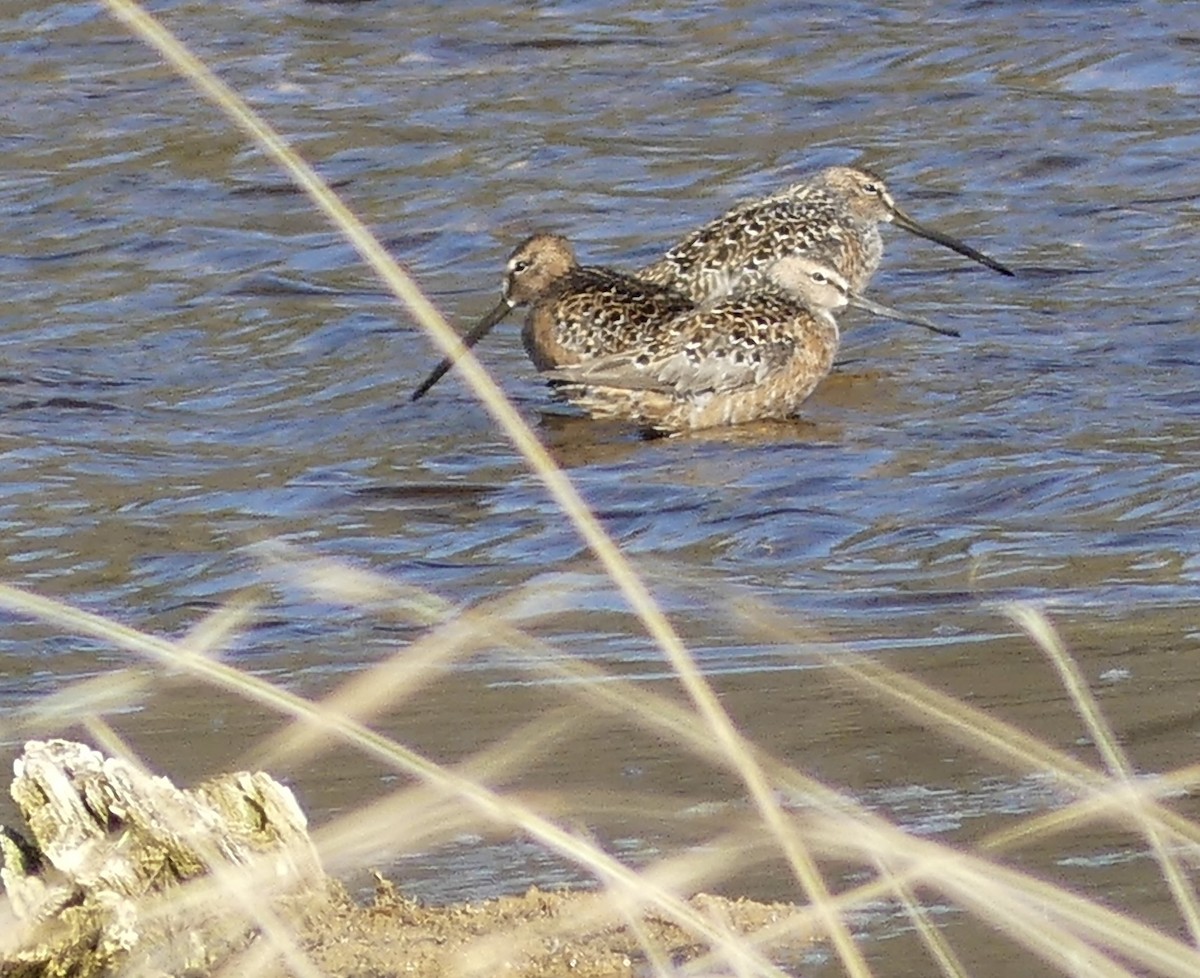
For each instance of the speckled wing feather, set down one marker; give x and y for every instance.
(597, 311)
(745, 241)
(734, 345)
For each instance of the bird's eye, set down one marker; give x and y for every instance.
(820, 277)
(871, 188)
(520, 265)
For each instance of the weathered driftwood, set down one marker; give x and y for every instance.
(96, 884)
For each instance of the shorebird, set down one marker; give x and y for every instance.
(833, 217)
(577, 312)
(753, 355)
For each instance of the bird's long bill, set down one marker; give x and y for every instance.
(480, 330)
(887, 312)
(929, 234)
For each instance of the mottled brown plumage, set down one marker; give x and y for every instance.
(833, 218)
(577, 312)
(753, 355)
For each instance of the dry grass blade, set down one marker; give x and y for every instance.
(209, 635)
(109, 741)
(1073, 934)
(1110, 801)
(1102, 797)
(559, 486)
(1062, 926)
(1113, 803)
(995, 738)
(120, 689)
(334, 580)
(244, 886)
(389, 683)
(1043, 634)
(934, 940)
(423, 811)
(485, 803)
(681, 873)
(978, 730)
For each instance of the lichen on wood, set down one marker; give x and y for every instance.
(108, 847)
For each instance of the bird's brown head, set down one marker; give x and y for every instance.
(535, 265)
(864, 192)
(868, 199)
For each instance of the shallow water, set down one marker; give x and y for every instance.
(194, 362)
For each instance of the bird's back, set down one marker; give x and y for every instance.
(594, 312)
(738, 247)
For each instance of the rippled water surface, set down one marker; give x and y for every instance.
(193, 361)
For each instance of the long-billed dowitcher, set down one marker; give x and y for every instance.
(754, 355)
(577, 311)
(833, 217)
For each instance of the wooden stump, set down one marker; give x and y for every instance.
(97, 882)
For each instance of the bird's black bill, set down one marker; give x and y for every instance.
(481, 329)
(887, 312)
(929, 234)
